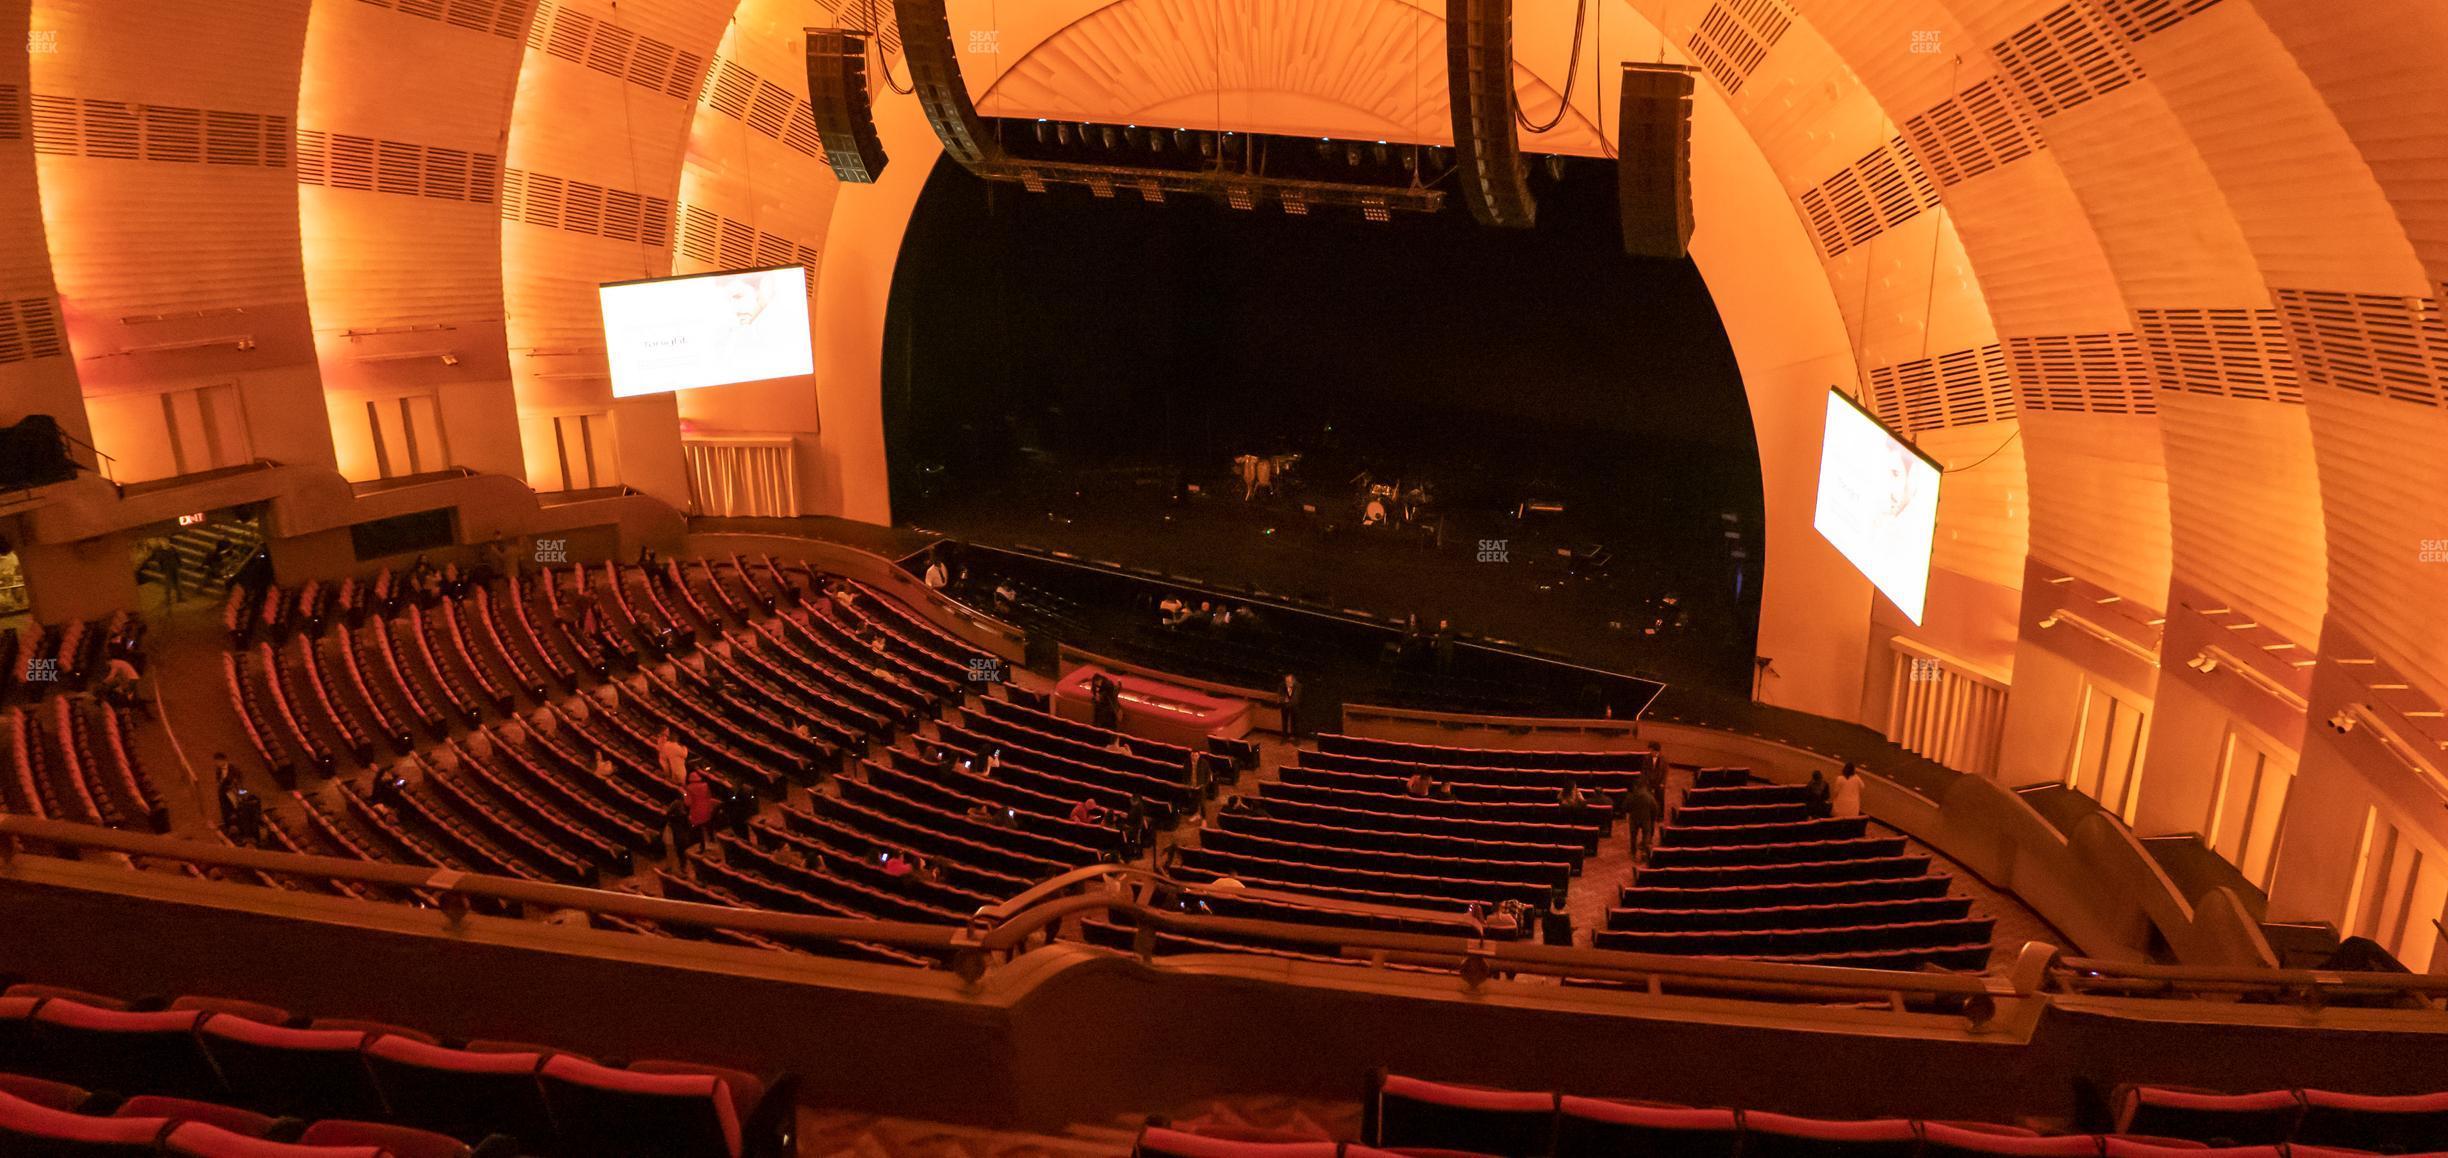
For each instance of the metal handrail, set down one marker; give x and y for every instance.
(2086, 975)
(1006, 929)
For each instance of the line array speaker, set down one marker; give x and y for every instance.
(1653, 160)
(1479, 87)
(837, 95)
(926, 43)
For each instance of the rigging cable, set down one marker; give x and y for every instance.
(1572, 77)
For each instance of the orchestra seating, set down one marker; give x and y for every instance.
(85, 1074)
(66, 753)
(1741, 869)
(1412, 1116)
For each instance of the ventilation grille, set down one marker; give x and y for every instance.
(614, 51)
(116, 131)
(729, 243)
(1734, 36)
(1958, 388)
(502, 18)
(2087, 373)
(1971, 133)
(2065, 59)
(12, 113)
(2391, 347)
(2229, 353)
(30, 329)
(2139, 19)
(343, 161)
(579, 207)
(1867, 198)
(743, 96)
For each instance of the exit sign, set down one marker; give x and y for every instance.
(195, 519)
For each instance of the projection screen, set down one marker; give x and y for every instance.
(1878, 503)
(710, 329)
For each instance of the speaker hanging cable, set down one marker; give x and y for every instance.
(1572, 77)
(875, 32)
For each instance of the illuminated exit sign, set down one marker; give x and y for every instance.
(193, 520)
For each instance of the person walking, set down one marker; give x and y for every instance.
(1845, 799)
(697, 797)
(1289, 698)
(1641, 811)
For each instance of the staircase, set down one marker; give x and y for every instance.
(193, 544)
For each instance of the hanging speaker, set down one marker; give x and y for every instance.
(1479, 88)
(1653, 160)
(935, 75)
(837, 95)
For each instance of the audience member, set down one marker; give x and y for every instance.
(936, 577)
(1816, 795)
(1846, 798)
(1641, 818)
(1087, 812)
(1419, 784)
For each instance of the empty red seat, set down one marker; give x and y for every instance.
(1767, 1135)
(1949, 1140)
(38, 992)
(29, 1130)
(1158, 1142)
(1405, 1111)
(205, 1140)
(114, 1049)
(252, 1010)
(2260, 1119)
(2115, 1146)
(229, 1118)
(681, 1112)
(1599, 1128)
(304, 1073)
(43, 1091)
(398, 1141)
(464, 1094)
(2405, 1124)
(17, 1033)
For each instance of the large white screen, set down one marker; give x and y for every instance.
(1878, 503)
(679, 333)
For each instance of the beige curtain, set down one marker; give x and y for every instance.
(740, 477)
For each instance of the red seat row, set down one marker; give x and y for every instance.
(249, 1056)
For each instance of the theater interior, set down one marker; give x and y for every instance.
(1224, 578)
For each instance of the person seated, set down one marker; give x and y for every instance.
(1087, 812)
(1571, 797)
(1418, 785)
(1444, 790)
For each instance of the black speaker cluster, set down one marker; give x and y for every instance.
(838, 96)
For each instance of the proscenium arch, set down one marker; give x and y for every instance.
(1781, 316)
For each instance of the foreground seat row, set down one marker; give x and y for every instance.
(258, 1059)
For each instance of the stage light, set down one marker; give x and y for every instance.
(1206, 145)
(1380, 152)
(2344, 721)
(1062, 133)
(1131, 134)
(1113, 140)
(2204, 663)
(1351, 155)
(1325, 149)
(1555, 167)
(1041, 130)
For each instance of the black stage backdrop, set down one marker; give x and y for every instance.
(1047, 350)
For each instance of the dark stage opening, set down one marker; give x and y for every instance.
(1080, 374)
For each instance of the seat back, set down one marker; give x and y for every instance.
(28, 1130)
(1768, 1135)
(628, 1114)
(113, 1049)
(2411, 1124)
(1158, 1142)
(303, 1073)
(1943, 1140)
(17, 1033)
(205, 1140)
(43, 1091)
(2259, 1119)
(1597, 1128)
(1406, 1112)
(461, 1093)
(399, 1141)
(229, 1118)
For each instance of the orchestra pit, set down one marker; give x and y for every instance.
(1223, 578)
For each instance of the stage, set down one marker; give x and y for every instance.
(1496, 578)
